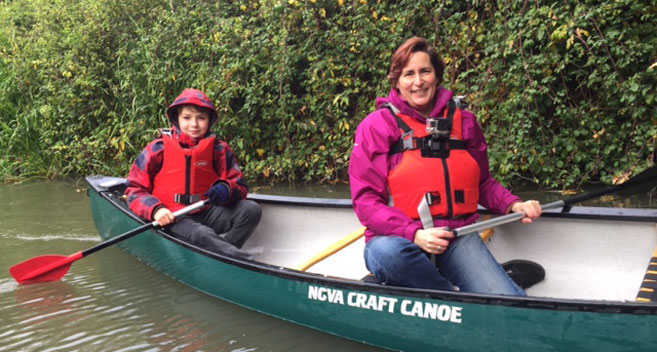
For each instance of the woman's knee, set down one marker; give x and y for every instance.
(385, 246)
(394, 252)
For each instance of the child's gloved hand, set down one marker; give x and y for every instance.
(218, 194)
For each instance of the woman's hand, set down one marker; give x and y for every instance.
(531, 208)
(163, 216)
(434, 240)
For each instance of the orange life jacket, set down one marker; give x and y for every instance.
(442, 172)
(186, 174)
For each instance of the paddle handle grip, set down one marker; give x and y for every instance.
(188, 209)
(501, 220)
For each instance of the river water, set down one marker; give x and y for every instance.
(111, 302)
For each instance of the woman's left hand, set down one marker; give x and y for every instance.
(531, 208)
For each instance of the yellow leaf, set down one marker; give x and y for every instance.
(570, 42)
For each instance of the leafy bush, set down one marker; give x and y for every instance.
(565, 90)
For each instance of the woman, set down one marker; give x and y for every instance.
(404, 175)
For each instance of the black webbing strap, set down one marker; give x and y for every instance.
(187, 199)
(409, 142)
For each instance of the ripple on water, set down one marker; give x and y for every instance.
(8, 285)
(112, 302)
(56, 237)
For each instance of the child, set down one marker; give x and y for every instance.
(188, 164)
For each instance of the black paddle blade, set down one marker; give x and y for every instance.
(641, 183)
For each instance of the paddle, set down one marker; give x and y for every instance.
(340, 244)
(53, 267)
(640, 183)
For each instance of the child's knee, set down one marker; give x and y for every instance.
(254, 210)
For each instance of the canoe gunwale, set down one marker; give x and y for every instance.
(576, 212)
(575, 305)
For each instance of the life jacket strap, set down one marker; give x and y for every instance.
(187, 199)
(409, 142)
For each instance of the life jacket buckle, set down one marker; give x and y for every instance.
(433, 197)
(407, 140)
(187, 199)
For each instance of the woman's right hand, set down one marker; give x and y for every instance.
(434, 240)
(163, 216)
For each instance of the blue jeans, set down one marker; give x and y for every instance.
(466, 263)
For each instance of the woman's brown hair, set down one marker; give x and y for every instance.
(402, 55)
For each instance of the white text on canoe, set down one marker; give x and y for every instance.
(407, 307)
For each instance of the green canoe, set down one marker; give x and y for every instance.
(595, 261)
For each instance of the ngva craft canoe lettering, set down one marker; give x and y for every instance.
(427, 310)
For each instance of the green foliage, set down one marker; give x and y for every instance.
(565, 90)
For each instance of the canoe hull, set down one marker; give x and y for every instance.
(390, 317)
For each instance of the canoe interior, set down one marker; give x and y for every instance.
(594, 254)
(592, 259)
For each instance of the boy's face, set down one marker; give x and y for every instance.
(193, 122)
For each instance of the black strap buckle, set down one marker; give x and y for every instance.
(187, 199)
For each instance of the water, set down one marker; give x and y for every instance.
(110, 301)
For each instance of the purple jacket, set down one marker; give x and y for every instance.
(370, 165)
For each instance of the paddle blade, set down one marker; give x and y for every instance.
(44, 268)
(641, 183)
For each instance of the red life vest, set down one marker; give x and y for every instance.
(186, 174)
(448, 179)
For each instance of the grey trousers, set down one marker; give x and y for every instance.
(220, 229)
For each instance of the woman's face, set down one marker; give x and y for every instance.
(417, 83)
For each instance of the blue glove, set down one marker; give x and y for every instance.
(218, 194)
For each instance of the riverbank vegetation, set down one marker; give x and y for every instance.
(566, 91)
